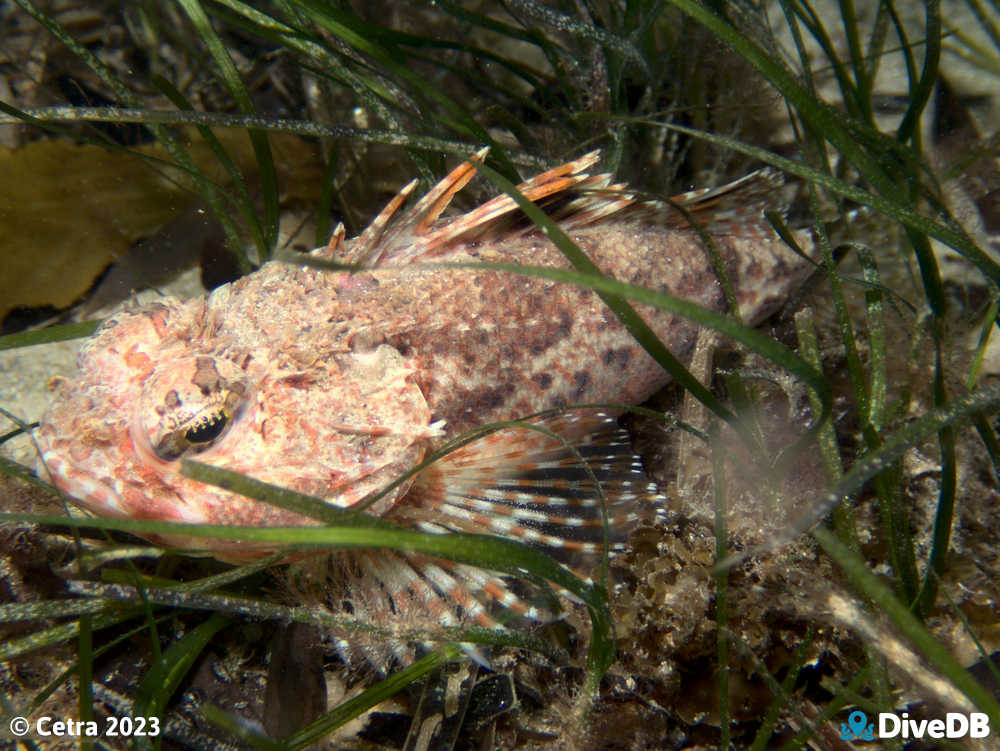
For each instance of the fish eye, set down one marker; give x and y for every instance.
(209, 430)
(199, 431)
(190, 406)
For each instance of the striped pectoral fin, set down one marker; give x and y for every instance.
(410, 598)
(570, 485)
(416, 599)
(565, 483)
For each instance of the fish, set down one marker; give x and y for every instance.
(335, 383)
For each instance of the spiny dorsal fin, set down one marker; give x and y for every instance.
(335, 248)
(370, 248)
(429, 208)
(543, 189)
(366, 249)
(572, 197)
(397, 239)
(736, 208)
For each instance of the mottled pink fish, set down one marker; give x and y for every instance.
(334, 384)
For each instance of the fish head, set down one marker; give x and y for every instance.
(169, 382)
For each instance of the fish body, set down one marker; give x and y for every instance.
(335, 383)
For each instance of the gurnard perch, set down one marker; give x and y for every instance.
(334, 384)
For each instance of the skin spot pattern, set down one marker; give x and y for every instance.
(206, 376)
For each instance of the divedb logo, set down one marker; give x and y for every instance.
(892, 725)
